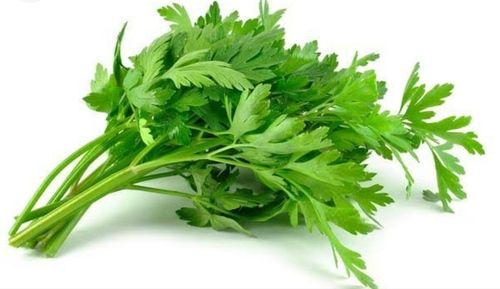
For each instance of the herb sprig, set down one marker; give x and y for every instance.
(211, 99)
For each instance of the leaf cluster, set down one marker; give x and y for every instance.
(256, 128)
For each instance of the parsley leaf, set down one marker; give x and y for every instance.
(178, 15)
(440, 136)
(105, 94)
(200, 217)
(205, 73)
(251, 111)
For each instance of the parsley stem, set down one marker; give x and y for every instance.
(91, 177)
(59, 233)
(54, 244)
(205, 130)
(180, 194)
(74, 204)
(55, 172)
(157, 176)
(78, 170)
(148, 149)
(73, 179)
(108, 185)
(160, 191)
(216, 208)
(230, 162)
(36, 213)
(232, 146)
(44, 239)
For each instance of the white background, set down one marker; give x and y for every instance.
(48, 51)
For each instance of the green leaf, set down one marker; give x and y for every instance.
(242, 197)
(269, 20)
(151, 61)
(145, 132)
(300, 58)
(412, 91)
(251, 111)
(357, 98)
(105, 94)
(447, 170)
(100, 80)
(117, 63)
(200, 217)
(349, 219)
(447, 182)
(449, 161)
(140, 95)
(101, 102)
(192, 98)
(178, 131)
(178, 16)
(221, 223)
(418, 107)
(281, 129)
(446, 129)
(205, 73)
(409, 177)
(260, 157)
(285, 136)
(439, 135)
(369, 198)
(389, 129)
(255, 55)
(301, 143)
(143, 98)
(211, 17)
(293, 212)
(324, 168)
(320, 190)
(199, 175)
(430, 196)
(132, 79)
(365, 60)
(195, 217)
(315, 216)
(268, 178)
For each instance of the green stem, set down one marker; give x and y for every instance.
(194, 198)
(73, 180)
(220, 210)
(55, 172)
(232, 146)
(54, 244)
(44, 239)
(140, 156)
(108, 185)
(59, 233)
(201, 129)
(157, 176)
(56, 240)
(90, 178)
(160, 191)
(36, 213)
(79, 170)
(74, 204)
(230, 162)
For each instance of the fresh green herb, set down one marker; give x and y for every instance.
(210, 100)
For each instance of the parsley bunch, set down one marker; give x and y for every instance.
(210, 100)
